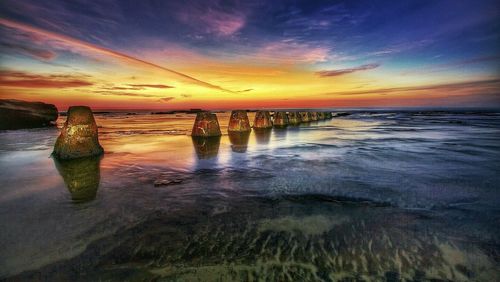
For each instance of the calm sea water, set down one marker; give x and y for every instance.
(374, 196)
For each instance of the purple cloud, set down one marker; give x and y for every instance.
(328, 73)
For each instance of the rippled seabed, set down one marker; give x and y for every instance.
(372, 196)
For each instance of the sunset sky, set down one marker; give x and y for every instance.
(250, 54)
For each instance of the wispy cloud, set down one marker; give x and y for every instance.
(37, 53)
(29, 80)
(328, 73)
(75, 43)
(292, 51)
(120, 93)
(166, 99)
(211, 18)
(162, 86)
(245, 90)
(491, 85)
(454, 65)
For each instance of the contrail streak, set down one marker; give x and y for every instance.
(102, 50)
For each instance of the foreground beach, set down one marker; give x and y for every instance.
(375, 195)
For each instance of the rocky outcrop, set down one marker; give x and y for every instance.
(262, 120)
(280, 119)
(321, 115)
(238, 122)
(15, 114)
(314, 116)
(79, 136)
(206, 125)
(294, 118)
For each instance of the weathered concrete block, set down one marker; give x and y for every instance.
(79, 136)
(81, 176)
(239, 121)
(294, 118)
(305, 116)
(206, 125)
(280, 119)
(262, 120)
(239, 141)
(15, 114)
(206, 147)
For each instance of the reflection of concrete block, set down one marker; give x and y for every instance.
(81, 177)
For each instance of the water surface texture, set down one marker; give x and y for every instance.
(374, 196)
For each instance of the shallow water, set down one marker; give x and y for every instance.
(380, 195)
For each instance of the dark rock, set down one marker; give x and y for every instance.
(15, 114)
(79, 136)
(239, 121)
(206, 125)
(166, 182)
(262, 120)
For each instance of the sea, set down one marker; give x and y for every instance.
(369, 195)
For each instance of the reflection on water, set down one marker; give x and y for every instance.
(81, 176)
(373, 196)
(206, 147)
(239, 141)
(262, 136)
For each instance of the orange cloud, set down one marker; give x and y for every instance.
(72, 42)
(25, 80)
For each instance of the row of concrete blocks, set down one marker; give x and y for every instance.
(207, 125)
(79, 137)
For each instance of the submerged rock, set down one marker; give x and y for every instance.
(16, 114)
(280, 119)
(166, 182)
(239, 141)
(79, 136)
(262, 120)
(81, 176)
(206, 125)
(239, 121)
(294, 118)
(206, 147)
(305, 116)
